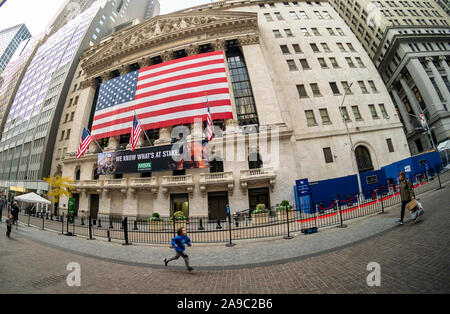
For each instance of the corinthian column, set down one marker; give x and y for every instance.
(106, 76)
(113, 144)
(218, 44)
(443, 62)
(164, 136)
(411, 97)
(439, 81)
(167, 56)
(143, 63)
(191, 50)
(404, 113)
(423, 83)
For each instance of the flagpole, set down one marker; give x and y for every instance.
(208, 109)
(139, 121)
(95, 140)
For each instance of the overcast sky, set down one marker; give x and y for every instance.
(36, 14)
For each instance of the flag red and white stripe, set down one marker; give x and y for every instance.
(136, 131)
(86, 140)
(171, 93)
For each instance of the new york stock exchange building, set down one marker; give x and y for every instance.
(289, 90)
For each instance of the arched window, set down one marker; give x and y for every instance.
(254, 161)
(95, 175)
(363, 159)
(77, 175)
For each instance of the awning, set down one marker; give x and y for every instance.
(17, 189)
(32, 198)
(444, 146)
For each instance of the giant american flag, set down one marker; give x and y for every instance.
(163, 95)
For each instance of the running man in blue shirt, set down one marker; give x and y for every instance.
(178, 243)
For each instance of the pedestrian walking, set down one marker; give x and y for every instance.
(9, 223)
(15, 213)
(406, 194)
(178, 243)
(1, 208)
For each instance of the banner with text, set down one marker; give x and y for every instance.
(178, 156)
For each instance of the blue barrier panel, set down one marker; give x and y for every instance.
(303, 196)
(371, 180)
(326, 191)
(296, 198)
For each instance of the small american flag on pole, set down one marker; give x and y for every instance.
(136, 131)
(209, 126)
(86, 140)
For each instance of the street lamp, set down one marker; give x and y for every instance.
(352, 148)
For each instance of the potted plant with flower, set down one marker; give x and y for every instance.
(260, 215)
(156, 222)
(179, 219)
(282, 211)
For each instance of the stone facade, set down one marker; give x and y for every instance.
(289, 145)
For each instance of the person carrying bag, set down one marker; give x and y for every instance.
(406, 195)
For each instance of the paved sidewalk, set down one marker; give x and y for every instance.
(413, 258)
(246, 254)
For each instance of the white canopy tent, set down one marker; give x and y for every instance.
(33, 198)
(444, 151)
(444, 145)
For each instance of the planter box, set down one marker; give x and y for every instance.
(260, 219)
(156, 225)
(282, 216)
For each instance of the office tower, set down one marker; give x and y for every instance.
(409, 43)
(29, 132)
(10, 40)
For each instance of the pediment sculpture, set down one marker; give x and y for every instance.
(163, 26)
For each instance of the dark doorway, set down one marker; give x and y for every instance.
(217, 205)
(419, 145)
(258, 196)
(363, 159)
(179, 202)
(93, 211)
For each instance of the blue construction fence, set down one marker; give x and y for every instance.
(323, 193)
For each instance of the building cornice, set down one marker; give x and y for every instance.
(399, 39)
(166, 34)
(355, 130)
(224, 5)
(409, 36)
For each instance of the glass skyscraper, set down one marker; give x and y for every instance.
(29, 131)
(10, 40)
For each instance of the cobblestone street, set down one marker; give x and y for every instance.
(414, 258)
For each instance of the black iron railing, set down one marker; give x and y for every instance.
(236, 227)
